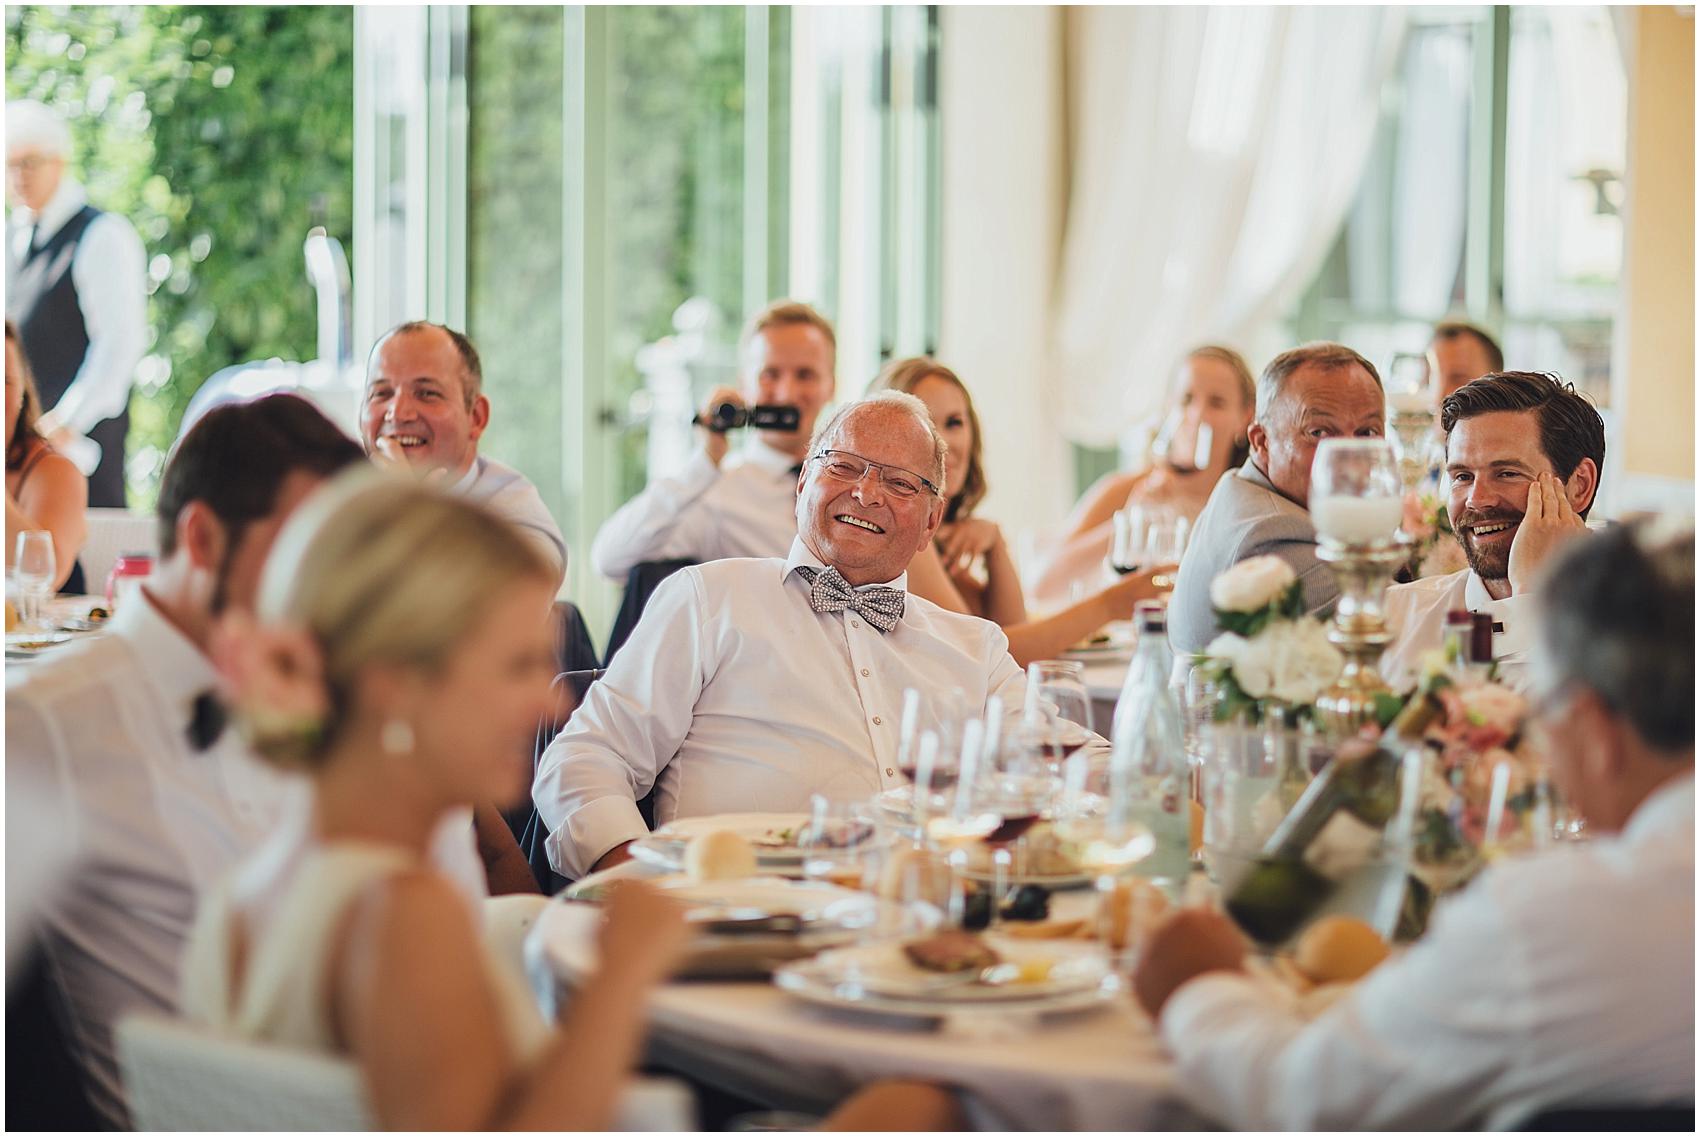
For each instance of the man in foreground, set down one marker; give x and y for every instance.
(735, 505)
(751, 684)
(127, 748)
(425, 409)
(1306, 395)
(1563, 979)
(1524, 453)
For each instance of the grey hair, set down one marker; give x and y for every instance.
(900, 401)
(1321, 353)
(1617, 617)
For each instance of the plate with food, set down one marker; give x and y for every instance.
(1111, 642)
(1043, 860)
(773, 837)
(952, 970)
(27, 645)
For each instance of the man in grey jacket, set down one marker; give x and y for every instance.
(1306, 395)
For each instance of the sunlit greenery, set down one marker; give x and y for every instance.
(224, 134)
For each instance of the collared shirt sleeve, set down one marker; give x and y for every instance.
(110, 272)
(1429, 1041)
(664, 522)
(1516, 617)
(630, 726)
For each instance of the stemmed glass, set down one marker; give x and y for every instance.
(1355, 496)
(1127, 549)
(1058, 706)
(838, 840)
(1021, 790)
(33, 569)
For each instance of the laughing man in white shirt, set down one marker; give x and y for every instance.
(752, 684)
(1560, 980)
(1524, 453)
(125, 756)
(425, 408)
(743, 504)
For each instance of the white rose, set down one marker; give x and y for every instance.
(1251, 584)
(1297, 658)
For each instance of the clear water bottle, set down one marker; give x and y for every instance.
(1149, 773)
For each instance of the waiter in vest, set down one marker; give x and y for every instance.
(76, 289)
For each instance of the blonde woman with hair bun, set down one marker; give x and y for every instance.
(401, 659)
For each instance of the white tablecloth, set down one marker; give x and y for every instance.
(1092, 1070)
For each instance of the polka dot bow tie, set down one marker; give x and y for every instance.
(830, 592)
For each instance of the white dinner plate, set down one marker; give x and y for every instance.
(879, 977)
(24, 645)
(665, 847)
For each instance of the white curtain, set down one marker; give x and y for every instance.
(1215, 152)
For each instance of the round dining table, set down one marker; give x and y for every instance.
(1097, 1069)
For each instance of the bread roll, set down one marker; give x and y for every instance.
(1129, 911)
(1338, 949)
(720, 855)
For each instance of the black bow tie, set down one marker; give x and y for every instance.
(207, 721)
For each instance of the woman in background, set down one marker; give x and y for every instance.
(43, 489)
(968, 567)
(1216, 394)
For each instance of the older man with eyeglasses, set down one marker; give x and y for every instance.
(752, 683)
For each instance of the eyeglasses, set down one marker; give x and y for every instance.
(843, 466)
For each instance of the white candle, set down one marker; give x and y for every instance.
(1356, 520)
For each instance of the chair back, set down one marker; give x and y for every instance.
(185, 1078)
(111, 533)
(641, 582)
(181, 1077)
(575, 653)
(568, 690)
(1672, 1117)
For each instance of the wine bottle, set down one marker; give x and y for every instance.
(1334, 833)
(1149, 773)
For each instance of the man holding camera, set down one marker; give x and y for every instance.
(736, 505)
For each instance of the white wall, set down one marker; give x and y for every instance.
(1003, 172)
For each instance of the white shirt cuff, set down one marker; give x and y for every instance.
(1516, 616)
(591, 830)
(1201, 998)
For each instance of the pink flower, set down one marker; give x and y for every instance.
(1416, 524)
(272, 675)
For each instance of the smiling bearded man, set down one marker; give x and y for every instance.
(754, 683)
(1523, 458)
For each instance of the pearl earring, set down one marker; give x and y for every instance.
(397, 737)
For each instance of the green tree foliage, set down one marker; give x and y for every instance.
(224, 134)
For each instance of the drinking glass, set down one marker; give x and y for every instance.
(1127, 550)
(839, 841)
(33, 569)
(1021, 789)
(1057, 702)
(1355, 495)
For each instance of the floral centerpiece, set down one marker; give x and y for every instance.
(1435, 550)
(1271, 652)
(1483, 784)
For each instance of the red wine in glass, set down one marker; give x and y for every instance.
(944, 777)
(1011, 828)
(1124, 569)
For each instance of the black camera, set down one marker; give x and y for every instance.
(730, 416)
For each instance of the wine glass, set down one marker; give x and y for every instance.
(1127, 550)
(1057, 702)
(33, 569)
(1355, 496)
(1166, 538)
(1020, 790)
(838, 840)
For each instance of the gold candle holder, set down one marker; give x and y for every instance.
(1359, 630)
(1414, 430)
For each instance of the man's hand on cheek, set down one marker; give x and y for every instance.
(1548, 523)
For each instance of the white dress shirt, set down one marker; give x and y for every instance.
(745, 507)
(111, 274)
(509, 494)
(155, 823)
(1565, 978)
(1416, 616)
(735, 695)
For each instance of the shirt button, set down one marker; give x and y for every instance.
(890, 773)
(864, 672)
(876, 720)
(855, 623)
